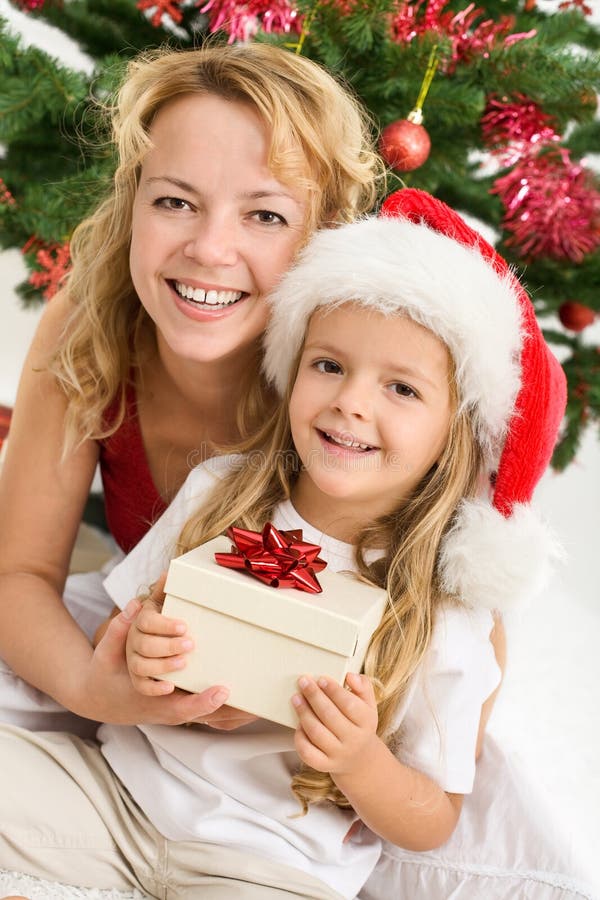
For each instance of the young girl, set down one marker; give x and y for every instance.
(228, 158)
(411, 368)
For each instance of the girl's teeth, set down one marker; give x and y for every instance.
(353, 444)
(210, 298)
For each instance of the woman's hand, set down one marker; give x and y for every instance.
(337, 726)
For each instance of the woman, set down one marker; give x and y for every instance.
(228, 158)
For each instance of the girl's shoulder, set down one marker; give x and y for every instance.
(460, 636)
(207, 473)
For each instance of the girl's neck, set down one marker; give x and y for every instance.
(343, 522)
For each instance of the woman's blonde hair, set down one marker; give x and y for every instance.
(411, 536)
(320, 139)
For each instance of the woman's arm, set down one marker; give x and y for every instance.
(41, 501)
(42, 496)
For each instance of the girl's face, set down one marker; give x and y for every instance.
(212, 229)
(370, 414)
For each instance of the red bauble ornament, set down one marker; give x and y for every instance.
(575, 316)
(405, 144)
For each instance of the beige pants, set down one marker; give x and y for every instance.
(65, 817)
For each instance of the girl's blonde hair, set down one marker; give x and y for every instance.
(412, 534)
(320, 139)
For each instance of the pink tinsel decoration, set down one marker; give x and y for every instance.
(55, 262)
(242, 20)
(552, 207)
(512, 129)
(418, 17)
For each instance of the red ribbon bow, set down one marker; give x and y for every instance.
(280, 559)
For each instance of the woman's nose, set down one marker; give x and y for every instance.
(212, 244)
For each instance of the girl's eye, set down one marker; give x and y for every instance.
(173, 203)
(402, 390)
(327, 366)
(267, 217)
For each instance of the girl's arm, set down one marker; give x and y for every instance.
(498, 641)
(42, 497)
(337, 734)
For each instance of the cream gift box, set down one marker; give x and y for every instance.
(257, 640)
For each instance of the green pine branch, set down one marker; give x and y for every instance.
(57, 160)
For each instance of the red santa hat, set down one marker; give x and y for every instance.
(420, 258)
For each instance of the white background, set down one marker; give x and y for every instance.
(548, 711)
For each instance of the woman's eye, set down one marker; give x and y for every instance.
(173, 203)
(327, 366)
(402, 390)
(267, 217)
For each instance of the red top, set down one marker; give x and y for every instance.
(131, 500)
(5, 414)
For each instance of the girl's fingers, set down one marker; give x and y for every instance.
(154, 646)
(149, 668)
(362, 687)
(325, 697)
(308, 753)
(350, 703)
(151, 688)
(313, 722)
(151, 622)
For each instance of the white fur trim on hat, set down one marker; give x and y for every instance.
(497, 562)
(398, 266)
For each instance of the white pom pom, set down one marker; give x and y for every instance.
(497, 562)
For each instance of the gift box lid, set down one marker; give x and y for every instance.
(344, 607)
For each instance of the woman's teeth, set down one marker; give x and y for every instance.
(354, 445)
(207, 298)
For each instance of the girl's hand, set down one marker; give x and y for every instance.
(108, 695)
(156, 645)
(337, 727)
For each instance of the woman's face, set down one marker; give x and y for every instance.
(213, 229)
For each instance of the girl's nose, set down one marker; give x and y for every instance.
(353, 399)
(212, 244)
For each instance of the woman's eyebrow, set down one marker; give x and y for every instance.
(176, 181)
(250, 195)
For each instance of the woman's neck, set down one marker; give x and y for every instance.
(209, 391)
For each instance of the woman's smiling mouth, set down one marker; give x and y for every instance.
(207, 299)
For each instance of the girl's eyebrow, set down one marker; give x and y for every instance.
(328, 349)
(412, 372)
(250, 195)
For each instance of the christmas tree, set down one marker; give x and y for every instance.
(489, 106)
